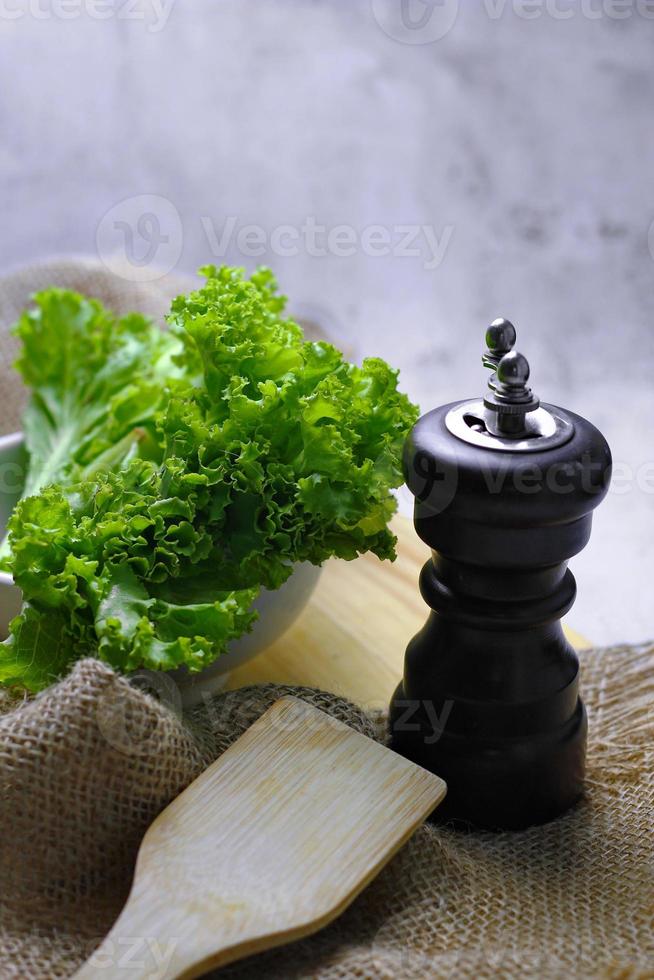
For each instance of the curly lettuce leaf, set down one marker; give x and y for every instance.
(91, 563)
(300, 448)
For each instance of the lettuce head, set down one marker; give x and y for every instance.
(175, 474)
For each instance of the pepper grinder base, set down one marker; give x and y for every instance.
(499, 783)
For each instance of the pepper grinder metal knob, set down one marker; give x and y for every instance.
(505, 488)
(500, 339)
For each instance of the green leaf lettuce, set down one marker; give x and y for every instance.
(261, 450)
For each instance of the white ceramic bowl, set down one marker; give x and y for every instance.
(277, 610)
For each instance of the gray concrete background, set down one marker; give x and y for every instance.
(513, 142)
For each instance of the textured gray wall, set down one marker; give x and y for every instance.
(518, 148)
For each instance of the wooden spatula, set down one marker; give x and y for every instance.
(271, 843)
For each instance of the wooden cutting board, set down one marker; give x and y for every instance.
(351, 637)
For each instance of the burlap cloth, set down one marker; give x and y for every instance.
(86, 766)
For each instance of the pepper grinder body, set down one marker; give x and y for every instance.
(489, 699)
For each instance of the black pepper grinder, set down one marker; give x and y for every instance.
(504, 493)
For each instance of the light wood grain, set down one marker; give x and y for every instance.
(269, 844)
(351, 637)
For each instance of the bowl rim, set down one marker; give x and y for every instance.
(11, 441)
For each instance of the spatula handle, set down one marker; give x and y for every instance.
(138, 948)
